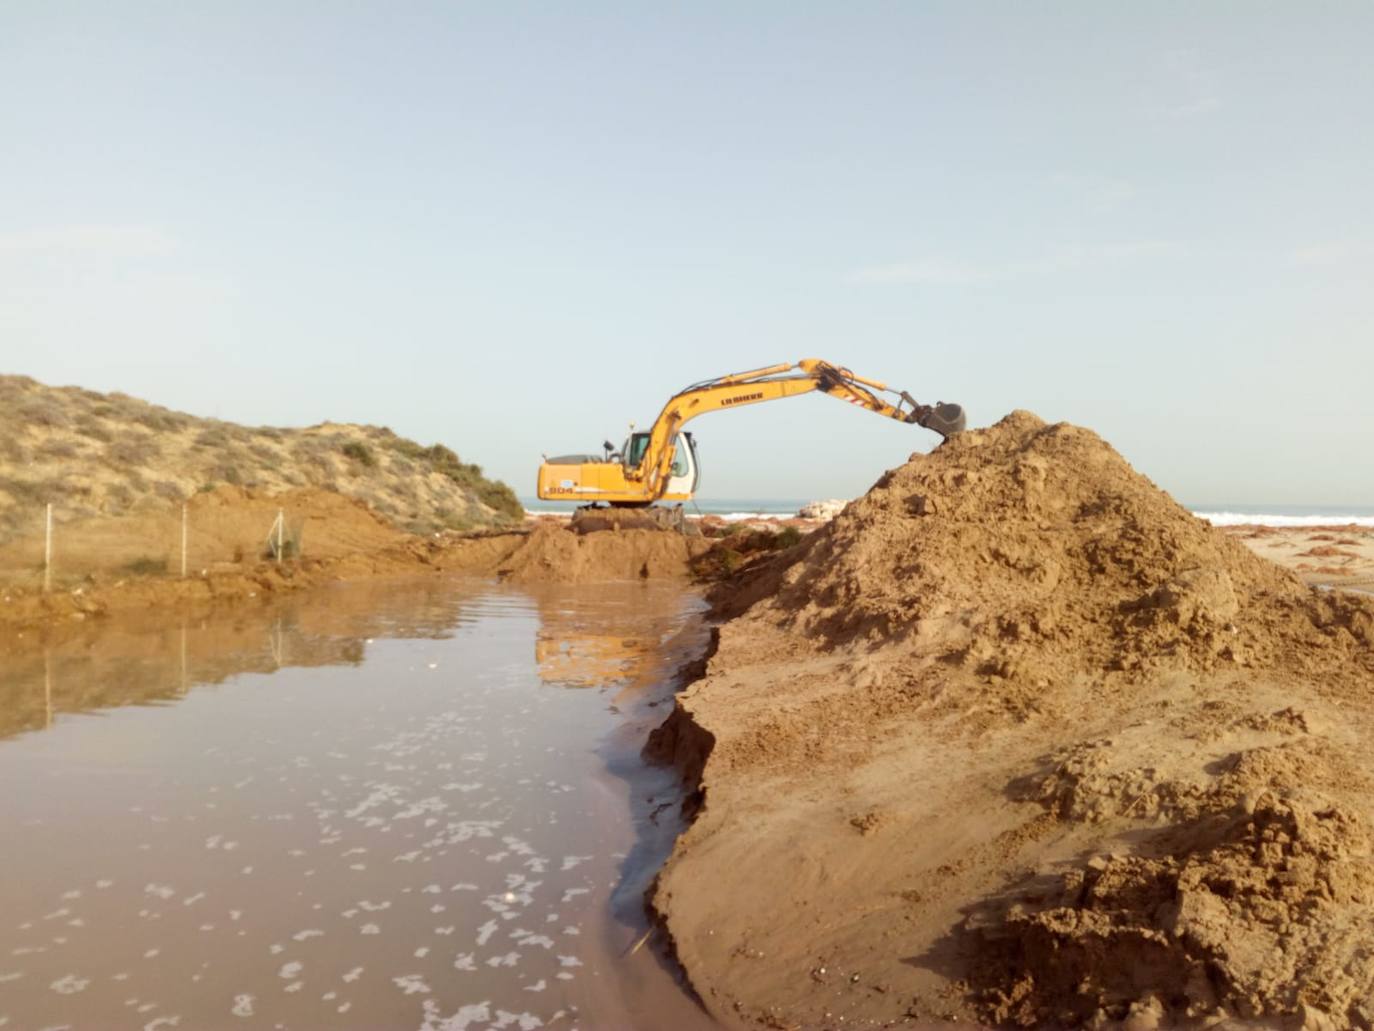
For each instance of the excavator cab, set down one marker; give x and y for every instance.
(684, 474)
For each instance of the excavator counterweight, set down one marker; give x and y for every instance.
(659, 464)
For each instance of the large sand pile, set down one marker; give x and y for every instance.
(1018, 739)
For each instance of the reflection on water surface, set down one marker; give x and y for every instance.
(365, 807)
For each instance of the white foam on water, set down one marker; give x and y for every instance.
(411, 984)
(524, 1021)
(468, 1015)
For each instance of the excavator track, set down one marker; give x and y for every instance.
(597, 518)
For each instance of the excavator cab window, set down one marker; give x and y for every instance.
(634, 449)
(680, 465)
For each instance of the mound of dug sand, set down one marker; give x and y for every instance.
(1017, 739)
(553, 553)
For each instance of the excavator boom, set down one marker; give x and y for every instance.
(651, 466)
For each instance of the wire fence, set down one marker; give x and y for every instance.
(176, 542)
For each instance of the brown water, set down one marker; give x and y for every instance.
(408, 805)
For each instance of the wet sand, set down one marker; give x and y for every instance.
(412, 803)
(1325, 556)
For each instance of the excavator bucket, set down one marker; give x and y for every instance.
(944, 419)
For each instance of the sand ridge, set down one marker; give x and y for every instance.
(1018, 739)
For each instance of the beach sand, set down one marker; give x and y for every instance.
(1330, 556)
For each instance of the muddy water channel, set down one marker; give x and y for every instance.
(416, 804)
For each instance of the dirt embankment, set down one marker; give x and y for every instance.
(1017, 739)
(554, 554)
(339, 538)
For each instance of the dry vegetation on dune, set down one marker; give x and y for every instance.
(93, 454)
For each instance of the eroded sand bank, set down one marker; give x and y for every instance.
(350, 543)
(1017, 739)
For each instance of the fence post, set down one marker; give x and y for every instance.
(183, 540)
(47, 687)
(47, 553)
(281, 521)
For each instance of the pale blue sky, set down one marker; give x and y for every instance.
(516, 227)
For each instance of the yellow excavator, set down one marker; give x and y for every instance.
(660, 464)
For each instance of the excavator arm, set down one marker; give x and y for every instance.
(644, 472)
(771, 384)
